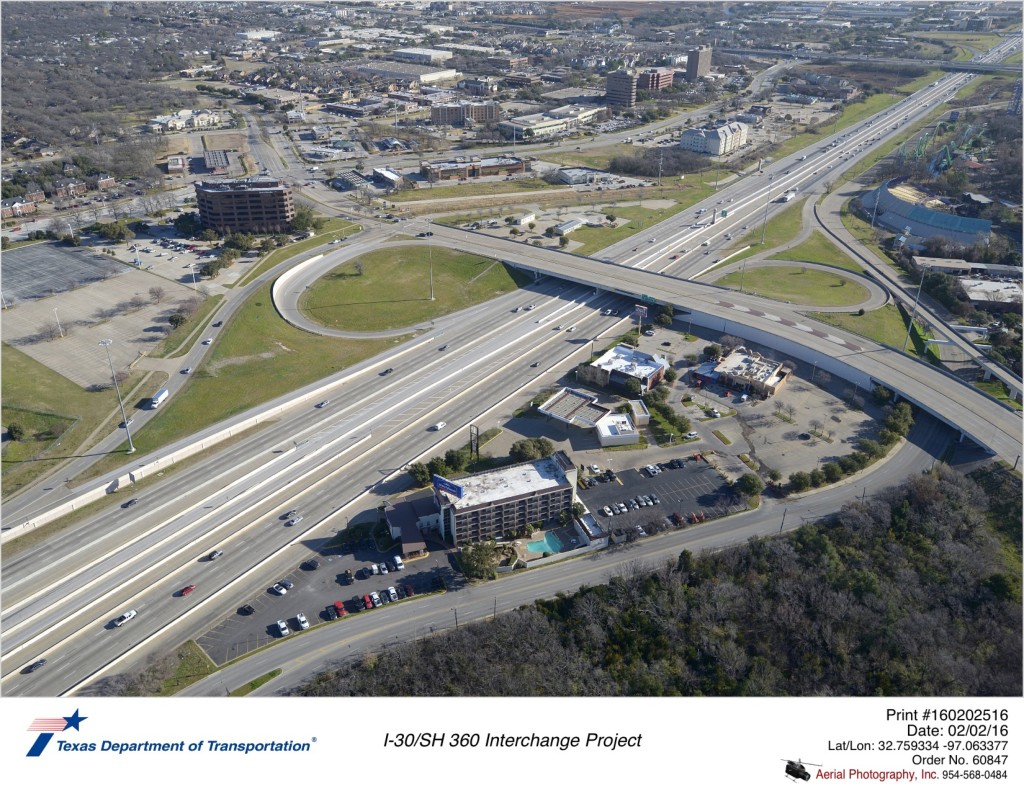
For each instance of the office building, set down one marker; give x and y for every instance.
(656, 79)
(620, 89)
(698, 62)
(253, 205)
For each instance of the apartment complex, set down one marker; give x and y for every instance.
(254, 205)
(698, 62)
(620, 89)
(457, 113)
(715, 141)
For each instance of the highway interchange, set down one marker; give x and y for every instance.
(60, 598)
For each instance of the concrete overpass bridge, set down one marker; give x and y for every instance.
(979, 417)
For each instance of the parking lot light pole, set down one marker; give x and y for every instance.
(105, 343)
(193, 268)
(59, 328)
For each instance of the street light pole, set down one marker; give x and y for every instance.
(913, 313)
(59, 328)
(430, 258)
(767, 201)
(193, 268)
(105, 343)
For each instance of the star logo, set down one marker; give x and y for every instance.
(47, 726)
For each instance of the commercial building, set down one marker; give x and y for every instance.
(216, 162)
(580, 409)
(256, 205)
(656, 79)
(508, 63)
(409, 72)
(698, 62)
(553, 122)
(457, 113)
(715, 141)
(471, 168)
(620, 89)
(748, 371)
(622, 363)
(427, 57)
(498, 503)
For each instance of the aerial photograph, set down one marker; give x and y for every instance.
(510, 350)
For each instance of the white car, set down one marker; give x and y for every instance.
(690, 435)
(283, 629)
(375, 598)
(123, 619)
(607, 511)
(572, 328)
(301, 618)
(530, 307)
(652, 470)
(595, 469)
(322, 404)
(649, 333)
(393, 593)
(280, 589)
(438, 426)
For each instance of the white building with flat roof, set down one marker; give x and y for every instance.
(428, 57)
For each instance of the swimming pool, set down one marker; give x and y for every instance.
(550, 543)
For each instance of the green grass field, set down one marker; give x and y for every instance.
(780, 230)
(884, 325)
(442, 190)
(56, 414)
(795, 284)
(817, 249)
(394, 290)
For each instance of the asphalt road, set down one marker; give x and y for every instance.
(59, 599)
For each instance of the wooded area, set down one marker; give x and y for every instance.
(916, 591)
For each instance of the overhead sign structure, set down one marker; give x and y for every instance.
(448, 486)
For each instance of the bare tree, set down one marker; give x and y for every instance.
(49, 331)
(817, 425)
(730, 341)
(157, 294)
(137, 302)
(822, 378)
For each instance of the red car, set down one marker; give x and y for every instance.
(340, 608)
(186, 590)
(368, 601)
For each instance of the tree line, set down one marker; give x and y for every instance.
(915, 592)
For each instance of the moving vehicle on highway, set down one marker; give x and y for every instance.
(125, 617)
(214, 555)
(186, 590)
(159, 398)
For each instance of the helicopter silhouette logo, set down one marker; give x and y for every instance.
(797, 770)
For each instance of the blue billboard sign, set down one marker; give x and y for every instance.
(448, 486)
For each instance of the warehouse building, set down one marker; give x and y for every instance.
(409, 72)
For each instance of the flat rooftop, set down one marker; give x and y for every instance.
(520, 480)
(629, 361)
(572, 406)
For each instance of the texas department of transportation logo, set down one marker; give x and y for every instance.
(47, 726)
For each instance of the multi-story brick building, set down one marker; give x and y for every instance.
(656, 79)
(255, 205)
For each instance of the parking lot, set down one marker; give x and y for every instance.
(694, 489)
(254, 624)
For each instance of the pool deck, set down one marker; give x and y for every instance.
(566, 536)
